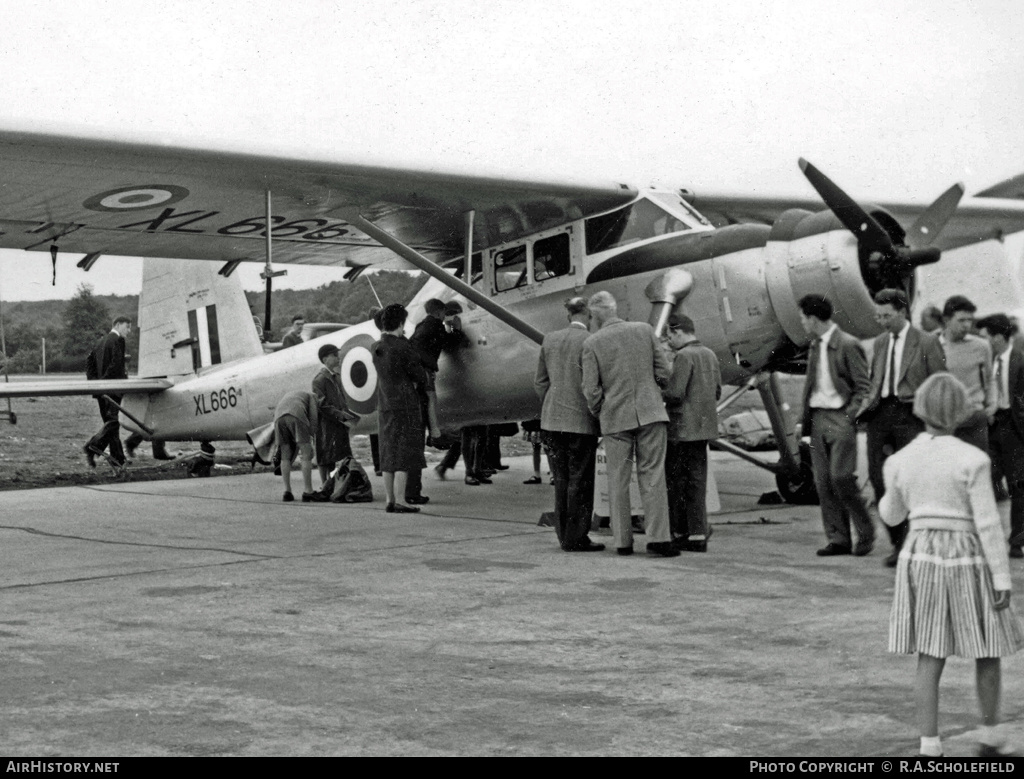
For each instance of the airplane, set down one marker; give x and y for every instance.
(510, 249)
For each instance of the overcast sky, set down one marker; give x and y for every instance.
(892, 99)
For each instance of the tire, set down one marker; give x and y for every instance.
(799, 489)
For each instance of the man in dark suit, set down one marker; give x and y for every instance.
(109, 359)
(334, 418)
(837, 383)
(436, 332)
(903, 358)
(691, 398)
(568, 429)
(1006, 435)
(623, 368)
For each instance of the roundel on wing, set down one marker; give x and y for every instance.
(358, 376)
(136, 198)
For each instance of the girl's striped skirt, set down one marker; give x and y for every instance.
(942, 605)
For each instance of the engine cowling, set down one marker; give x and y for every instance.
(814, 253)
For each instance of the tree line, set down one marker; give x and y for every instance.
(72, 327)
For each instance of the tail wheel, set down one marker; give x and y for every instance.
(798, 488)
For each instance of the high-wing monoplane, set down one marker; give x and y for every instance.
(510, 249)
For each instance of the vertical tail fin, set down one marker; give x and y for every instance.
(191, 317)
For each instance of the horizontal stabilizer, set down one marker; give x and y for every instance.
(32, 389)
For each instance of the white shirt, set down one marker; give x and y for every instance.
(899, 358)
(824, 394)
(1002, 370)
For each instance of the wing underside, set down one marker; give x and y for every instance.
(127, 198)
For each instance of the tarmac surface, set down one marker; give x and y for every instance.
(206, 617)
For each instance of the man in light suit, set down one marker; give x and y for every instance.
(1006, 434)
(623, 365)
(903, 358)
(568, 429)
(837, 383)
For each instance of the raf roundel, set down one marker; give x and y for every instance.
(358, 376)
(136, 198)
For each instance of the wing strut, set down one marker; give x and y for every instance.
(268, 271)
(422, 263)
(468, 274)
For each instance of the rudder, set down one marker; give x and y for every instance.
(191, 317)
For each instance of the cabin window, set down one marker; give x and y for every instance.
(510, 268)
(637, 222)
(457, 266)
(551, 257)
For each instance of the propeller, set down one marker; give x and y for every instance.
(892, 263)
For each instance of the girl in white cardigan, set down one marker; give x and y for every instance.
(952, 593)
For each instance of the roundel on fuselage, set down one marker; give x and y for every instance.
(358, 376)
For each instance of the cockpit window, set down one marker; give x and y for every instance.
(637, 222)
(551, 257)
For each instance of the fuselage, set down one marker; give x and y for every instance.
(744, 282)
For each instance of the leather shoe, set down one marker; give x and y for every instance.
(625, 551)
(662, 549)
(90, 455)
(418, 500)
(695, 546)
(863, 548)
(288, 497)
(481, 479)
(314, 497)
(892, 558)
(398, 508)
(502, 467)
(439, 471)
(832, 550)
(472, 481)
(532, 480)
(586, 546)
(1016, 552)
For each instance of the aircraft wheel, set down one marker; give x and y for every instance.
(799, 489)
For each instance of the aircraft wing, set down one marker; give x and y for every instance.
(131, 198)
(978, 218)
(32, 389)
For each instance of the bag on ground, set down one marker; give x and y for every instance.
(351, 484)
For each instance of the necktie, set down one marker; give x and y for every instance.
(999, 382)
(892, 367)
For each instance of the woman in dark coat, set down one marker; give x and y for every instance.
(400, 374)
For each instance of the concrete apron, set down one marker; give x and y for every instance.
(206, 617)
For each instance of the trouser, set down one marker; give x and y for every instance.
(891, 427)
(834, 463)
(645, 446)
(470, 447)
(375, 452)
(1007, 448)
(686, 474)
(413, 484)
(572, 457)
(110, 434)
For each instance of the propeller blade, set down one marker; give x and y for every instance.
(925, 231)
(869, 233)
